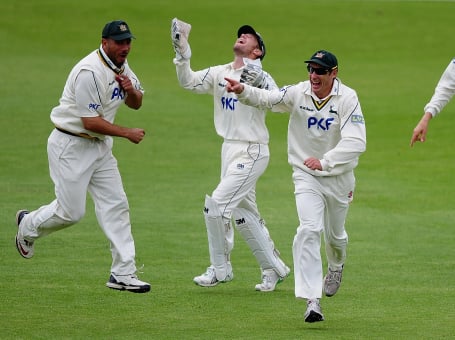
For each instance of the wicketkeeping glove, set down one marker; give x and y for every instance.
(253, 75)
(179, 34)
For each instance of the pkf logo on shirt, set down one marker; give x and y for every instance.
(93, 107)
(321, 123)
(118, 93)
(228, 103)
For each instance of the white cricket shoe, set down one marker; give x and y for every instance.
(24, 247)
(208, 279)
(270, 279)
(313, 312)
(128, 282)
(332, 281)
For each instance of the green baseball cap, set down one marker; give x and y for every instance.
(325, 59)
(117, 30)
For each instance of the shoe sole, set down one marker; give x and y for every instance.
(206, 285)
(19, 248)
(132, 289)
(212, 284)
(314, 317)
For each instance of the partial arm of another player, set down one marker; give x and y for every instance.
(444, 91)
(420, 131)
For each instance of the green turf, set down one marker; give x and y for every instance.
(399, 277)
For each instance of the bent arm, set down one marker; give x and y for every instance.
(353, 137)
(101, 126)
(133, 95)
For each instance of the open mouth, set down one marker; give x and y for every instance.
(316, 85)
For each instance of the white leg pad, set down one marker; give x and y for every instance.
(258, 238)
(220, 237)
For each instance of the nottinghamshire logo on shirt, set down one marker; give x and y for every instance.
(357, 119)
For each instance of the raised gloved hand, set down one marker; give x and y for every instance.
(180, 31)
(253, 75)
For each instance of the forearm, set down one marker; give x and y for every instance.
(272, 100)
(427, 116)
(347, 151)
(185, 75)
(101, 126)
(134, 99)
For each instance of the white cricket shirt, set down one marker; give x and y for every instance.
(233, 120)
(90, 91)
(332, 130)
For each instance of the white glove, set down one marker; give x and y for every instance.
(253, 75)
(179, 34)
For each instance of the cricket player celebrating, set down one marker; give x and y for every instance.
(326, 136)
(80, 155)
(244, 157)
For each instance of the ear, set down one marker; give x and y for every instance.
(257, 52)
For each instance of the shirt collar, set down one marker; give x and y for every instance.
(108, 62)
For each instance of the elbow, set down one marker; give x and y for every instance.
(89, 123)
(134, 103)
(136, 106)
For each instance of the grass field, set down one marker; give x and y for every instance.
(399, 277)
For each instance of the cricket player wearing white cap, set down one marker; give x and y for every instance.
(80, 155)
(326, 136)
(244, 157)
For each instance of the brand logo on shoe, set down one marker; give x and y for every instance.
(22, 250)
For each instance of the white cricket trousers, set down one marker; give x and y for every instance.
(242, 163)
(78, 165)
(322, 206)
